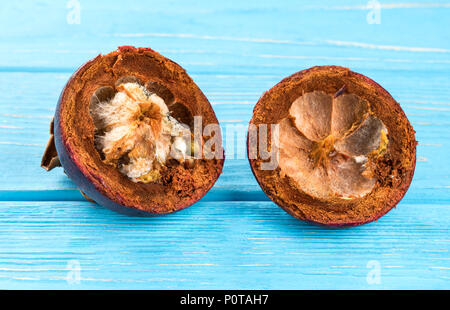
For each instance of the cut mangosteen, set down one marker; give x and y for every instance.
(345, 150)
(124, 132)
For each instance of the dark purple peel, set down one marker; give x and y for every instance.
(83, 165)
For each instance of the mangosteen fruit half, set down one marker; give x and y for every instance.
(344, 150)
(135, 134)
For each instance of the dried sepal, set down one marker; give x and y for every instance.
(50, 157)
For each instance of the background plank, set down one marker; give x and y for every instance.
(248, 245)
(237, 238)
(25, 116)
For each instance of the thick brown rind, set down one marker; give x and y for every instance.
(395, 169)
(74, 135)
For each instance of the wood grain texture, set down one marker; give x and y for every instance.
(235, 237)
(221, 245)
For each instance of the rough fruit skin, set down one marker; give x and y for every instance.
(90, 183)
(72, 167)
(269, 189)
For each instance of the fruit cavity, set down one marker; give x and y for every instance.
(327, 144)
(135, 132)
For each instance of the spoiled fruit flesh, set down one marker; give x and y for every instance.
(346, 151)
(327, 144)
(135, 132)
(116, 151)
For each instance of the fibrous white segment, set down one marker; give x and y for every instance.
(137, 132)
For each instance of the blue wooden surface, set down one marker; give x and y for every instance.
(235, 237)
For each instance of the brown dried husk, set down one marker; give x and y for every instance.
(393, 170)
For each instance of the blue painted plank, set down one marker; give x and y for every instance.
(223, 34)
(26, 112)
(239, 245)
(236, 237)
